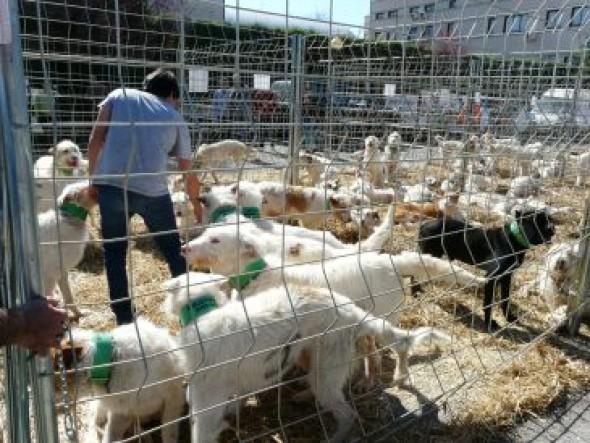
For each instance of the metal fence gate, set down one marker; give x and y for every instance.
(305, 94)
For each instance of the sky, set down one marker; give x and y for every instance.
(351, 12)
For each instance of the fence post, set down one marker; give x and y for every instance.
(297, 43)
(575, 306)
(22, 272)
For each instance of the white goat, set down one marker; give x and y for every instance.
(214, 155)
(372, 280)
(264, 336)
(524, 186)
(54, 172)
(222, 208)
(144, 377)
(63, 235)
(373, 168)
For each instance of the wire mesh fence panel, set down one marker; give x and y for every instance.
(302, 229)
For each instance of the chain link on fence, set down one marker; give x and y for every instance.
(353, 175)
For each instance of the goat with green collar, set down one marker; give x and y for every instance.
(138, 366)
(499, 251)
(372, 281)
(63, 235)
(238, 348)
(55, 171)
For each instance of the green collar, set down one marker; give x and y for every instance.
(73, 210)
(518, 235)
(219, 214)
(66, 172)
(251, 272)
(251, 212)
(196, 308)
(100, 373)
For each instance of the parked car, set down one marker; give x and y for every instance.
(556, 108)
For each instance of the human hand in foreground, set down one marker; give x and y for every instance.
(40, 324)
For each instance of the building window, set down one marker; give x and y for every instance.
(413, 32)
(452, 4)
(378, 36)
(392, 14)
(451, 28)
(414, 11)
(428, 31)
(553, 19)
(492, 25)
(514, 24)
(379, 15)
(429, 8)
(580, 16)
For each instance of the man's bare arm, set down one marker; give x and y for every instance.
(193, 187)
(97, 137)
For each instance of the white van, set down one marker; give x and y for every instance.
(559, 107)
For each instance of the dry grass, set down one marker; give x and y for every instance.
(483, 383)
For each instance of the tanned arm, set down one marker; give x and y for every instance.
(193, 187)
(36, 325)
(97, 137)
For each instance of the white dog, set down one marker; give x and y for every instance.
(391, 153)
(54, 172)
(365, 218)
(311, 206)
(372, 280)
(373, 168)
(557, 280)
(421, 192)
(525, 186)
(139, 366)
(222, 208)
(63, 235)
(450, 149)
(263, 337)
(320, 170)
(214, 155)
(364, 188)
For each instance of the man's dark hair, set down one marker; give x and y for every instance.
(161, 83)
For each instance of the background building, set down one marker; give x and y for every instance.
(555, 29)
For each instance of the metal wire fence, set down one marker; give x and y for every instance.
(363, 135)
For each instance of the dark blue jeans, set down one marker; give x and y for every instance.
(158, 215)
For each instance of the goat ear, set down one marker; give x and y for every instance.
(51, 150)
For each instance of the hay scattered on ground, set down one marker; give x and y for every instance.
(483, 384)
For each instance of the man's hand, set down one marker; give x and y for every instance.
(197, 210)
(41, 323)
